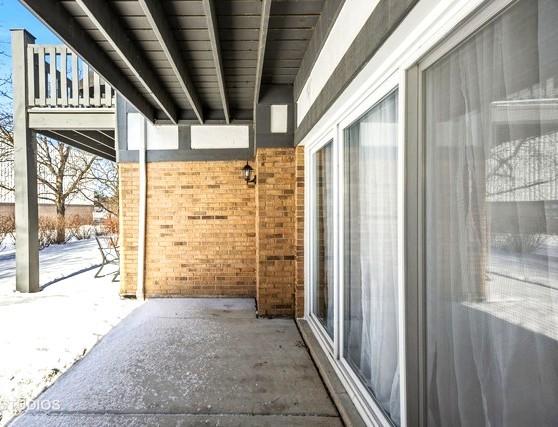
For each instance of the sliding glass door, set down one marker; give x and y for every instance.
(370, 253)
(353, 230)
(479, 250)
(491, 231)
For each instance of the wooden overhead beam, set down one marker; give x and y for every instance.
(211, 16)
(54, 16)
(264, 23)
(75, 140)
(86, 143)
(108, 134)
(155, 14)
(112, 29)
(97, 137)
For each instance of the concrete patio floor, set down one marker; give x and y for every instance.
(191, 362)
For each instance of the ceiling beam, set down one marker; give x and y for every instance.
(264, 23)
(155, 14)
(55, 16)
(108, 134)
(92, 145)
(211, 16)
(113, 30)
(97, 137)
(74, 140)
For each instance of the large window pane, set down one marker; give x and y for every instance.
(492, 224)
(370, 258)
(322, 305)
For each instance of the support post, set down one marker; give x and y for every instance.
(140, 288)
(25, 171)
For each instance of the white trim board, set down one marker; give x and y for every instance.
(158, 137)
(220, 136)
(349, 22)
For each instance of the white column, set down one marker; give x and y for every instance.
(140, 288)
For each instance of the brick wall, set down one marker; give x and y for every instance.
(210, 234)
(299, 235)
(200, 230)
(276, 222)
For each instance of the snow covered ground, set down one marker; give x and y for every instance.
(43, 334)
(56, 262)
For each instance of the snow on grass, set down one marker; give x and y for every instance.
(55, 262)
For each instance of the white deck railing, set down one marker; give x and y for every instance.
(57, 77)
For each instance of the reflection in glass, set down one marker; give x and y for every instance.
(323, 237)
(370, 253)
(491, 135)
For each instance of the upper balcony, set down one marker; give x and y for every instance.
(67, 100)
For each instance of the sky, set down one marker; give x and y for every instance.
(14, 15)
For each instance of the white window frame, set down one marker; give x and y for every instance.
(384, 90)
(432, 29)
(318, 328)
(363, 400)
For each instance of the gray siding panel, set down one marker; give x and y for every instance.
(271, 95)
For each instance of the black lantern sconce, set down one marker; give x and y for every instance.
(248, 174)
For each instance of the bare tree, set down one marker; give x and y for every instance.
(63, 173)
(6, 86)
(104, 183)
(524, 168)
(6, 151)
(6, 134)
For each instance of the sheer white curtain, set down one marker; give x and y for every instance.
(370, 229)
(491, 247)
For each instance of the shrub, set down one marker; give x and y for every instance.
(7, 228)
(110, 225)
(79, 227)
(47, 231)
(523, 243)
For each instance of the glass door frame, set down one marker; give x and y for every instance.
(329, 137)
(359, 393)
(384, 90)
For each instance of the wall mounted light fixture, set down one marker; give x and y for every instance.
(248, 174)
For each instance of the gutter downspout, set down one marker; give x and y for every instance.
(140, 288)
